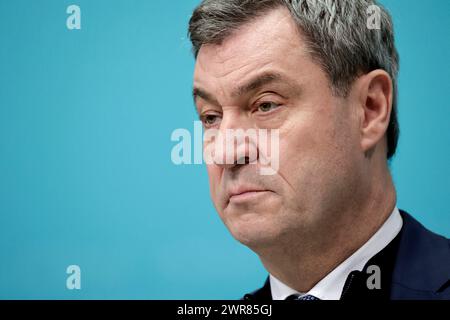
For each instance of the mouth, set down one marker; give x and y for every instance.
(242, 195)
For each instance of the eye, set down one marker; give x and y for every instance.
(210, 120)
(267, 106)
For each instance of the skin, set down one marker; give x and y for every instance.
(333, 189)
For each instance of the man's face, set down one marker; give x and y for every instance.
(319, 152)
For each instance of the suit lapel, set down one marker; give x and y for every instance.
(415, 265)
(422, 267)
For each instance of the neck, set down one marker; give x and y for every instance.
(301, 263)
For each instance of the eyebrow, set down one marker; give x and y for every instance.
(253, 84)
(257, 82)
(200, 93)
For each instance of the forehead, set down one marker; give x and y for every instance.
(271, 41)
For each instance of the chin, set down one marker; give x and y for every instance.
(253, 229)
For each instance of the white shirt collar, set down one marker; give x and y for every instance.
(330, 287)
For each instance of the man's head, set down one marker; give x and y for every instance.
(314, 71)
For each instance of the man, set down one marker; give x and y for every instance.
(325, 225)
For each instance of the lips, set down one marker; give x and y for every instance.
(242, 193)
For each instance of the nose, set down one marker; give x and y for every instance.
(236, 144)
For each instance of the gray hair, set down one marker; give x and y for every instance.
(336, 35)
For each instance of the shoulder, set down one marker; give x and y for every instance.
(422, 267)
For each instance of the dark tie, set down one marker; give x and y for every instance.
(297, 297)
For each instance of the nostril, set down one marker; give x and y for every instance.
(243, 160)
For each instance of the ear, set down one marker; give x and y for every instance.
(376, 94)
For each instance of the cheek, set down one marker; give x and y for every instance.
(311, 148)
(297, 154)
(302, 138)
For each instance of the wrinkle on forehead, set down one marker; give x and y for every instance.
(267, 39)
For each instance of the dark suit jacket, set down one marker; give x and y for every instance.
(415, 265)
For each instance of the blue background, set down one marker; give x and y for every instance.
(86, 176)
